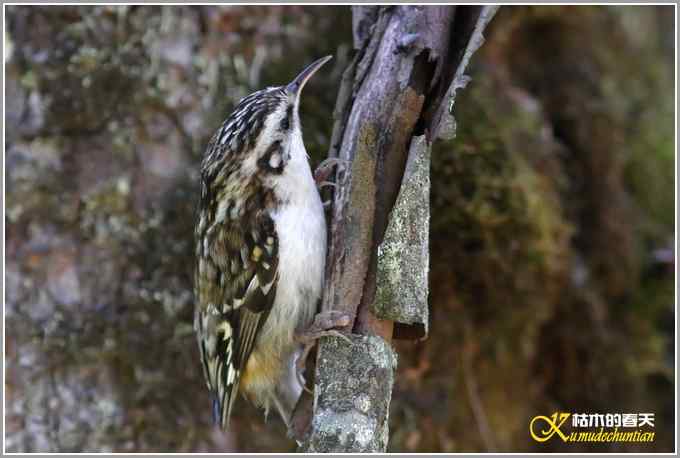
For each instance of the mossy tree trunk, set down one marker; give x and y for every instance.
(395, 99)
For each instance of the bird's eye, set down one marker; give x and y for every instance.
(285, 122)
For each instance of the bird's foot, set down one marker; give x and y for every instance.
(324, 325)
(323, 171)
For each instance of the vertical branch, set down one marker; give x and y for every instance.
(388, 108)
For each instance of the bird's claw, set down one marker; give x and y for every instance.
(300, 369)
(323, 171)
(324, 184)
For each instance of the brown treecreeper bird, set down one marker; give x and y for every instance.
(260, 254)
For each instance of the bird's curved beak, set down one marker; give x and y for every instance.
(295, 87)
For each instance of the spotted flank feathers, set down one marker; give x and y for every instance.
(236, 286)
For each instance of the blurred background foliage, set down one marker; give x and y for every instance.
(551, 242)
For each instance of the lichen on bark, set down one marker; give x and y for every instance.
(352, 416)
(403, 256)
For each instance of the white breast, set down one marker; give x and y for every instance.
(301, 228)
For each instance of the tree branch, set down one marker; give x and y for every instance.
(389, 110)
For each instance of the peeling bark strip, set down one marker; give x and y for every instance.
(404, 255)
(391, 102)
(444, 123)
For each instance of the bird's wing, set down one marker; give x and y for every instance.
(236, 277)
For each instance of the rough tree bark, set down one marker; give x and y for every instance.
(395, 98)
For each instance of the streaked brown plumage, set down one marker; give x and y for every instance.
(260, 250)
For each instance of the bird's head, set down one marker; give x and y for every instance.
(264, 128)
